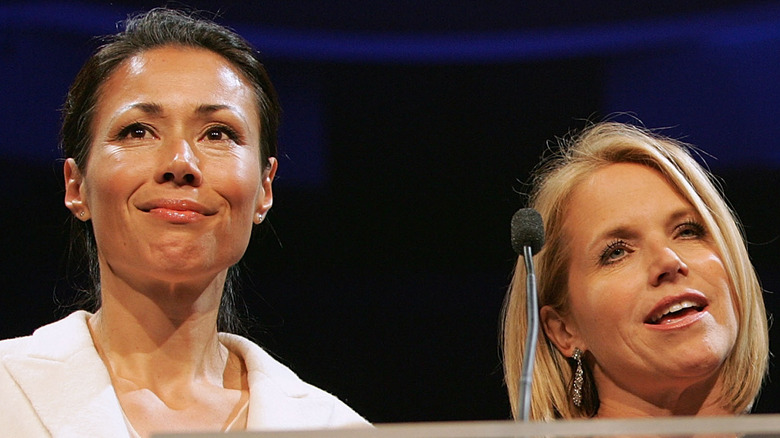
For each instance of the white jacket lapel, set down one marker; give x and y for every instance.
(278, 399)
(66, 382)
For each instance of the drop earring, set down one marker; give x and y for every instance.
(576, 388)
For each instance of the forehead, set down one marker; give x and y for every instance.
(620, 193)
(178, 75)
(620, 180)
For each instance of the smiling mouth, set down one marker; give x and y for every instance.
(176, 206)
(675, 311)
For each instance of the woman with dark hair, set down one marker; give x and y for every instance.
(169, 135)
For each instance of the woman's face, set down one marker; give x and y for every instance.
(649, 296)
(174, 180)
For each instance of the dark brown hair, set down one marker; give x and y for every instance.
(157, 28)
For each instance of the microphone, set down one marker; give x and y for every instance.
(527, 230)
(527, 239)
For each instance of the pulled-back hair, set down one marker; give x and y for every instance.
(145, 31)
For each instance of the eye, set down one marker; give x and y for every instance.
(134, 131)
(614, 252)
(691, 229)
(220, 133)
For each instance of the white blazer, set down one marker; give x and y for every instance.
(53, 383)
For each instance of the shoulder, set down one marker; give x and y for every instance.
(57, 337)
(14, 345)
(29, 378)
(52, 341)
(288, 401)
(259, 361)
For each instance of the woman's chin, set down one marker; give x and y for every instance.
(694, 365)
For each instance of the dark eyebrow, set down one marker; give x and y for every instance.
(154, 109)
(207, 109)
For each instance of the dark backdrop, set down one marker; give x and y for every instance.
(408, 132)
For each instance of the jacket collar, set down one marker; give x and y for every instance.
(278, 398)
(66, 381)
(70, 388)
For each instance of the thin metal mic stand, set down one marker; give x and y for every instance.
(532, 313)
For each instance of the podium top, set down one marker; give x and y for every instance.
(753, 425)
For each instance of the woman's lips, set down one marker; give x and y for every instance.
(176, 216)
(178, 211)
(677, 311)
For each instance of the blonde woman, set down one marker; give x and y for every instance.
(649, 305)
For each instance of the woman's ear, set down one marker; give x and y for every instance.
(265, 198)
(74, 190)
(561, 331)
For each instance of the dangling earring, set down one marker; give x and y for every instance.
(576, 388)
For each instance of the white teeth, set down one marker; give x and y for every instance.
(676, 307)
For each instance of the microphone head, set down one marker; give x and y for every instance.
(527, 230)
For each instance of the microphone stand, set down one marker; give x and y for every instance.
(532, 313)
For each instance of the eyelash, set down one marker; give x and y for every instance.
(699, 232)
(615, 244)
(125, 132)
(697, 227)
(230, 132)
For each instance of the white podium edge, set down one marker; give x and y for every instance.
(755, 424)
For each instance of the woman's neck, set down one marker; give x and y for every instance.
(694, 399)
(159, 338)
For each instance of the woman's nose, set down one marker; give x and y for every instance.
(179, 164)
(667, 265)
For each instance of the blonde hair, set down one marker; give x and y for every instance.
(600, 145)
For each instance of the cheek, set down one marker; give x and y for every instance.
(239, 182)
(585, 306)
(602, 305)
(591, 311)
(110, 184)
(714, 273)
(107, 192)
(580, 299)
